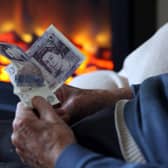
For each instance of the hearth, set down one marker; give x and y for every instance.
(104, 30)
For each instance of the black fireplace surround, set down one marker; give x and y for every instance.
(133, 22)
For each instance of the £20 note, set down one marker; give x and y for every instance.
(44, 67)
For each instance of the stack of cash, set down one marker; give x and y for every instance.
(43, 68)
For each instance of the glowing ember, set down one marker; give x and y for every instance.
(23, 21)
(4, 61)
(97, 57)
(3, 75)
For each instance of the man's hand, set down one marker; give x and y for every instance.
(78, 103)
(40, 140)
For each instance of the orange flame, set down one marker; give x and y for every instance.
(4, 60)
(3, 74)
(89, 47)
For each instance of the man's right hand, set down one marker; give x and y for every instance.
(78, 103)
(69, 101)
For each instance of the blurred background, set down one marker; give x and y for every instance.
(106, 31)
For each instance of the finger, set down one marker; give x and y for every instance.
(27, 158)
(23, 112)
(21, 154)
(66, 118)
(62, 113)
(45, 110)
(60, 93)
(56, 106)
(17, 140)
(64, 92)
(58, 110)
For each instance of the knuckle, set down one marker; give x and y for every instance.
(15, 139)
(18, 123)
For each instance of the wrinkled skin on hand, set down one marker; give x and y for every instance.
(71, 106)
(78, 103)
(40, 140)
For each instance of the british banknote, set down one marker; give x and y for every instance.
(14, 53)
(28, 82)
(56, 56)
(44, 67)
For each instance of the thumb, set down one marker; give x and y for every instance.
(24, 112)
(45, 110)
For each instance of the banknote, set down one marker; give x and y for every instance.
(14, 53)
(27, 85)
(44, 67)
(27, 93)
(56, 56)
(28, 75)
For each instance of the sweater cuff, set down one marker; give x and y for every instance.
(73, 155)
(129, 149)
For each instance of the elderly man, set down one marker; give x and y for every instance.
(131, 133)
(94, 128)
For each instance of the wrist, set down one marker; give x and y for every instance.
(57, 153)
(58, 149)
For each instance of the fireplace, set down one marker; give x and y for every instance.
(104, 30)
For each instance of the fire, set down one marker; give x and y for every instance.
(89, 47)
(7, 26)
(39, 31)
(3, 74)
(103, 39)
(4, 60)
(28, 38)
(98, 56)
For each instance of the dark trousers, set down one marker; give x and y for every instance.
(96, 132)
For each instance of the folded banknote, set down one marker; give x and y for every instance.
(44, 67)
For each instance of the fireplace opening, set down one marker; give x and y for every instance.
(104, 30)
(87, 24)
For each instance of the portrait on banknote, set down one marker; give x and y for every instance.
(55, 57)
(43, 68)
(29, 75)
(14, 53)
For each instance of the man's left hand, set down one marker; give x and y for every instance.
(40, 139)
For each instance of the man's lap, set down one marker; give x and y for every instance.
(96, 132)
(8, 156)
